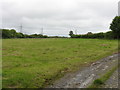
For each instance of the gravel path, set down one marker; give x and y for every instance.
(83, 78)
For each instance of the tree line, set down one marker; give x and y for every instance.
(11, 33)
(113, 34)
(101, 35)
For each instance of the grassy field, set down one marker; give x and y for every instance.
(36, 63)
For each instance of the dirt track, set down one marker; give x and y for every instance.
(83, 78)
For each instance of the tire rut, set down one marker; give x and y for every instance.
(83, 78)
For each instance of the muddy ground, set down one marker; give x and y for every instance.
(85, 77)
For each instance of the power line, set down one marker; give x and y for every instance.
(42, 30)
(76, 31)
(21, 27)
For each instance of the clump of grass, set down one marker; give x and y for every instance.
(98, 82)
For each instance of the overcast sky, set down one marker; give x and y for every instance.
(58, 17)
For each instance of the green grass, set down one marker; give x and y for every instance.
(37, 63)
(100, 81)
(0, 63)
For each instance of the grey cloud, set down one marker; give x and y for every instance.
(58, 16)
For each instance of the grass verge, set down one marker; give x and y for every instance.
(100, 81)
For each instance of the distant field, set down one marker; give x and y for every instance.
(35, 63)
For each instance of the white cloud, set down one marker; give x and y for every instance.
(59, 16)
